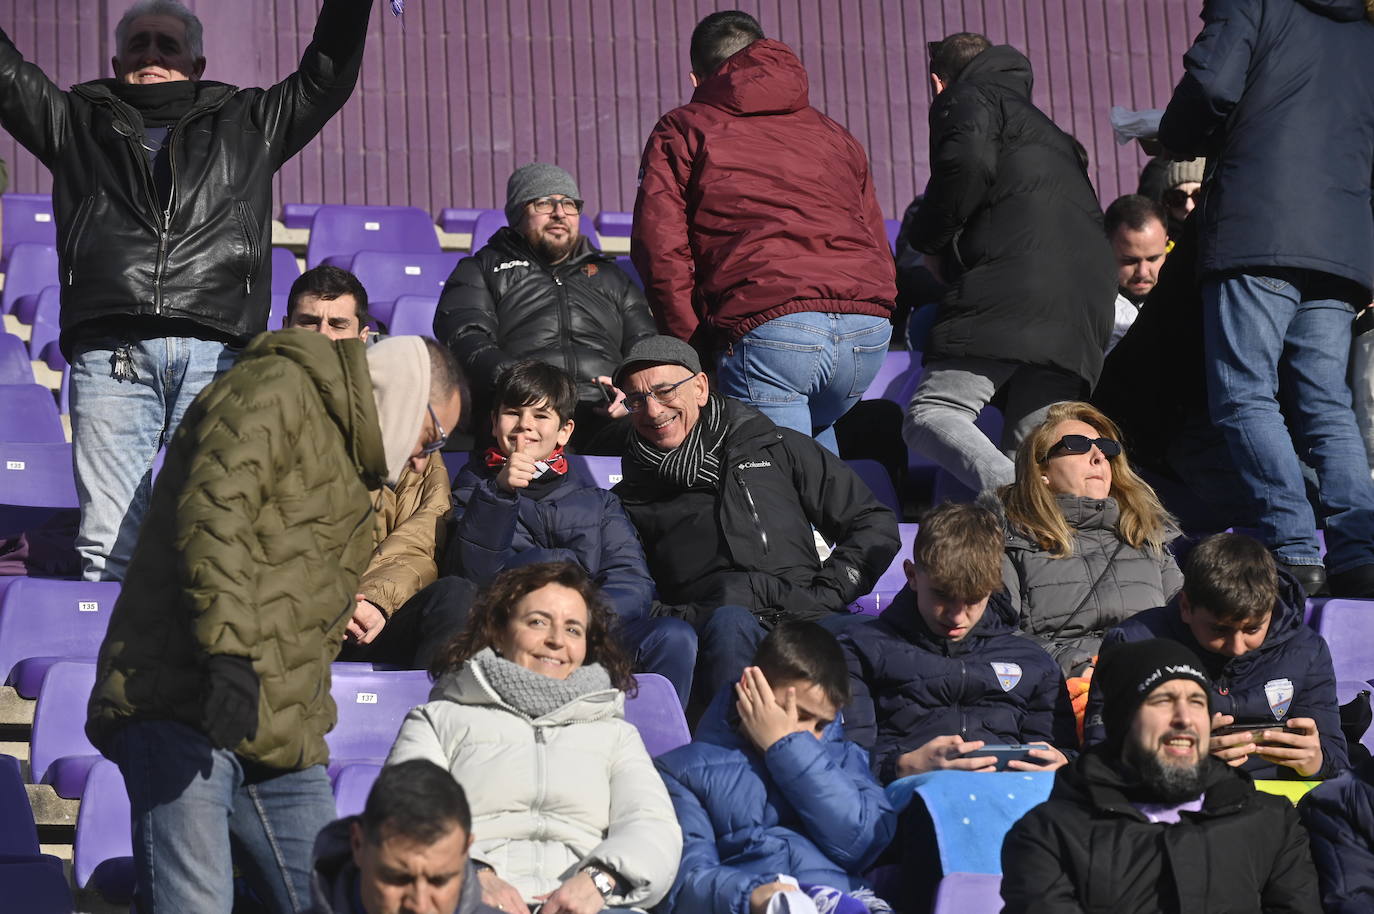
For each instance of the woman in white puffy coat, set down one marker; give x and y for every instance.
(527, 712)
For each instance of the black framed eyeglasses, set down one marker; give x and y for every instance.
(1081, 444)
(439, 442)
(545, 206)
(664, 395)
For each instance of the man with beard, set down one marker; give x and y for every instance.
(539, 290)
(1135, 228)
(1147, 821)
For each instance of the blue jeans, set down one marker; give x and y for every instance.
(666, 646)
(118, 426)
(195, 814)
(1281, 335)
(731, 636)
(804, 371)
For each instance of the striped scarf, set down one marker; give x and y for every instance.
(696, 461)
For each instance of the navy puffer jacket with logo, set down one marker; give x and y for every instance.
(909, 685)
(1289, 675)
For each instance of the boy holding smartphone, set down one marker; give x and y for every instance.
(943, 674)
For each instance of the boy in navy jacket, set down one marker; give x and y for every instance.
(770, 787)
(943, 671)
(1244, 618)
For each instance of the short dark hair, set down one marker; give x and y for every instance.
(445, 376)
(1133, 211)
(329, 283)
(491, 611)
(950, 56)
(530, 382)
(960, 548)
(719, 37)
(417, 800)
(804, 652)
(1233, 577)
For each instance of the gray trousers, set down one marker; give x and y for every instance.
(939, 420)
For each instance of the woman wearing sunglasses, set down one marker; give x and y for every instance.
(1086, 537)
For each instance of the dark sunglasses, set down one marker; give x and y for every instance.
(1081, 444)
(1176, 197)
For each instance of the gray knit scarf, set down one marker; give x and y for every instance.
(694, 462)
(535, 694)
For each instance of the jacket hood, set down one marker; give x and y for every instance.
(1340, 10)
(999, 618)
(468, 686)
(764, 78)
(340, 374)
(400, 371)
(1004, 66)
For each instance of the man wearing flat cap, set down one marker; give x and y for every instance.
(539, 290)
(1148, 821)
(725, 502)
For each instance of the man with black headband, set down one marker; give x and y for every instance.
(725, 502)
(162, 193)
(1147, 821)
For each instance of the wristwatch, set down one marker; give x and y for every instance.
(604, 882)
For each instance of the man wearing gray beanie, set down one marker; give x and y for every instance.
(1148, 821)
(540, 290)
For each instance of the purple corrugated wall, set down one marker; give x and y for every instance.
(457, 93)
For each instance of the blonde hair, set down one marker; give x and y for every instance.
(1031, 507)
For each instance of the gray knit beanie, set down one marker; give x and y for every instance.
(530, 182)
(1183, 172)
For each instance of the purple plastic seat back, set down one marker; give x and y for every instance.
(372, 704)
(628, 265)
(454, 461)
(40, 617)
(102, 854)
(457, 220)
(18, 834)
(891, 581)
(352, 786)
(29, 269)
(875, 476)
(342, 231)
(413, 315)
(657, 714)
(602, 472)
(14, 361)
(35, 482)
(29, 881)
(59, 722)
(969, 893)
(614, 224)
(27, 307)
(285, 271)
(387, 275)
(894, 380)
(1348, 627)
(893, 227)
(27, 218)
(486, 225)
(298, 215)
(28, 415)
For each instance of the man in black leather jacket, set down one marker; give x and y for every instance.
(539, 290)
(162, 192)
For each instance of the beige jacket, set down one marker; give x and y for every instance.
(409, 531)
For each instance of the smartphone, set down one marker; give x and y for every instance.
(607, 393)
(1250, 727)
(1006, 753)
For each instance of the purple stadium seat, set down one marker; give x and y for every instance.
(896, 380)
(342, 231)
(454, 461)
(35, 482)
(387, 275)
(969, 893)
(486, 225)
(657, 715)
(30, 268)
(890, 582)
(298, 215)
(47, 317)
(46, 618)
(41, 305)
(413, 315)
(459, 221)
(602, 472)
(893, 226)
(352, 786)
(59, 752)
(617, 224)
(28, 415)
(874, 474)
(27, 218)
(102, 854)
(372, 704)
(51, 355)
(14, 361)
(30, 881)
(1348, 627)
(626, 264)
(285, 270)
(276, 312)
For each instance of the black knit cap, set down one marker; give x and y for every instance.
(1129, 671)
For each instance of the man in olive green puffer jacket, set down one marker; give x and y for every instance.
(212, 692)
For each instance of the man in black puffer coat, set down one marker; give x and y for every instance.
(1012, 222)
(539, 290)
(1148, 822)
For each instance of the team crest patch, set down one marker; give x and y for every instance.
(1008, 674)
(589, 270)
(1280, 695)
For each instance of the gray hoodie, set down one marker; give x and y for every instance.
(335, 876)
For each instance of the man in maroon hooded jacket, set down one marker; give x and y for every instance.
(757, 233)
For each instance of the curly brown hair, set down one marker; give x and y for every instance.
(491, 613)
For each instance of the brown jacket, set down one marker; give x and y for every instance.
(408, 531)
